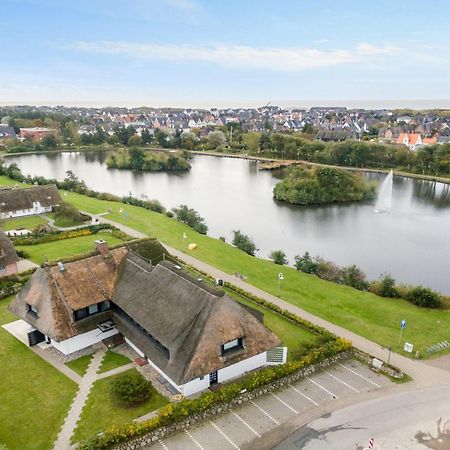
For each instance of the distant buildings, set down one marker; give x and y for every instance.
(35, 133)
(6, 133)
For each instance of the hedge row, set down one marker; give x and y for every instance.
(177, 412)
(42, 238)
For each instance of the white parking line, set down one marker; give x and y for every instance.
(284, 403)
(361, 376)
(164, 446)
(342, 382)
(224, 435)
(265, 413)
(246, 424)
(303, 395)
(321, 387)
(194, 440)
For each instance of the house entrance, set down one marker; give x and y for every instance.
(213, 377)
(35, 337)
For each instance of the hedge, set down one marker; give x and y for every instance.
(176, 412)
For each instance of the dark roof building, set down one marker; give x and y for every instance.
(15, 202)
(7, 133)
(186, 329)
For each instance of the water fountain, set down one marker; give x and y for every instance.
(384, 200)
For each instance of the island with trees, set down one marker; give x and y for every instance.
(323, 185)
(149, 161)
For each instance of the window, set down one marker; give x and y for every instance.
(32, 310)
(93, 309)
(231, 346)
(80, 313)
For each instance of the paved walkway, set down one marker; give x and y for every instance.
(423, 374)
(115, 371)
(63, 439)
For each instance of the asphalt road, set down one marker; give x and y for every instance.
(406, 421)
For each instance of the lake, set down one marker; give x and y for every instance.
(412, 243)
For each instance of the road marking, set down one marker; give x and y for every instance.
(321, 387)
(224, 435)
(341, 381)
(265, 412)
(303, 395)
(164, 446)
(361, 376)
(284, 403)
(246, 424)
(194, 440)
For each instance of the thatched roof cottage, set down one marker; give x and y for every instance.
(8, 256)
(192, 334)
(16, 202)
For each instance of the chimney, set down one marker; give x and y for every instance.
(102, 247)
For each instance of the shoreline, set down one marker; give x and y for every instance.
(281, 162)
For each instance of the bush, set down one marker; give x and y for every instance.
(23, 254)
(328, 270)
(67, 211)
(278, 257)
(424, 297)
(130, 388)
(170, 214)
(386, 287)
(191, 218)
(305, 263)
(353, 276)
(244, 243)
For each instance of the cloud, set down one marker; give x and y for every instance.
(238, 56)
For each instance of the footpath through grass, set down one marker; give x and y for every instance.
(101, 411)
(81, 364)
(112, 360)
(368, 315)
(34, 396)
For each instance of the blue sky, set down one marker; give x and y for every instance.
(220, 53)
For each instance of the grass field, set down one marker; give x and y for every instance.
(34, 397)
(29, 223)
(81, 364)
(65, 247)
(112, 360)
(370, 316)
(101, 411)
(65, 222)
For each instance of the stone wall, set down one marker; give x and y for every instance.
(386, 369)
(187, 423)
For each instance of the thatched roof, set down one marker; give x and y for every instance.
(8, 254)
(20, 199)
(188, 319)
(177, 321)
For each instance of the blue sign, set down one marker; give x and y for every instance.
(403, 324)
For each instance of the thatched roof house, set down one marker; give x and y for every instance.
(186, 329)
(15, 202)
(8, 256)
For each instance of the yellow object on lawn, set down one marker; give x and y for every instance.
(192, 246)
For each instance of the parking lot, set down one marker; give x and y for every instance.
(250, 421)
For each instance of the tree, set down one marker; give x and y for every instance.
(252, 142)
(100, 136)
(424, 297)
(386, 287)
(189, 140)
(244, 243)
(278, 257)
(67, 211)
(191, 218)
(146, 137)
(130, 388)
(135, 140)
(305, 263)
(137, 158)
(161, 138)
(216, 139)
(49, 142)
(353, 276)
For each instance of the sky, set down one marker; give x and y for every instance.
(200, 53)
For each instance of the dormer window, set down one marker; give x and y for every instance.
(231, 346)
(32, 310)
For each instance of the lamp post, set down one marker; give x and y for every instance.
(280, 277)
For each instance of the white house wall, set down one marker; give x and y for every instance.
(82, 341)
(238, 369)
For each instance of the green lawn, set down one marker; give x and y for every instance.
(34, 397)
(101, 411)
(65, 222)
(28, 222)
(373, 317)
(111, 360)
(81, 364)
(66, 247)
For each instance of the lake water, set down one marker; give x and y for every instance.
(412, 242)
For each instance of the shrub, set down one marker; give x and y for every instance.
(23, 254)
(278, 257)
(353, 276)
(424, 297)
(386, 287)
(130, 387)
(170, 214)
(244, 243)
(191, 218)
(328, 270)
(305, 263)
(67, 211)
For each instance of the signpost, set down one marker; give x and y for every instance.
(280, 277)
(402, 327)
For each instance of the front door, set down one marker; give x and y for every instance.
(35, 337)
(213, 377)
